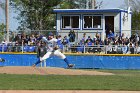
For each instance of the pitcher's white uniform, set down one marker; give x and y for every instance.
(51, 45)
(52, 50)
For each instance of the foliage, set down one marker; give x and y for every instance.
(136, 20)
(35, 14)
(38, 14)
(135, 8)
(2, 28)
(69, 4)
(2, 5)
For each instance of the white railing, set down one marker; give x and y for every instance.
(104, 49)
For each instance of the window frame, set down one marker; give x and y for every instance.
(61, 23)
(92, 28)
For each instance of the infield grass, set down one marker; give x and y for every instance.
(122, 80)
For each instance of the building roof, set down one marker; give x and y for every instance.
(117, 10)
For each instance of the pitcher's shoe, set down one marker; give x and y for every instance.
(33, 65)
(71, 65)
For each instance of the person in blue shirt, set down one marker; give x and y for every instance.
(65, 42)
(110, 35)
(71, 36)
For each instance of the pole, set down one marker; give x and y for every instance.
(93, 2)
(7, 20)
(87, 5)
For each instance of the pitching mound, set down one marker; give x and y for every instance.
(48, 71)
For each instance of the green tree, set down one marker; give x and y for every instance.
(2, 26)
(135, 8)
(2, 29)
(136, 20)
(38, 14)
(69, 4)
(35, 14)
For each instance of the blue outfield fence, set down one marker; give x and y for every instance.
(100, 61)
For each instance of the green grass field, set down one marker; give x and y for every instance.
(122, 80)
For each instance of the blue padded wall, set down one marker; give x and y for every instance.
(80, 61)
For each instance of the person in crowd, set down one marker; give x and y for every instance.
(110, 35)
(84, 37)
(124, 48)
(80, 48)
(106, 41)
(89, 39)
(89, 44)
(130, 48)
(59, 42)
(72, 35)
(32, 39)
(109, 49)
(41, 51)
(65, 42)
(137, 48)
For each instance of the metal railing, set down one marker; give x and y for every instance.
(100, 49)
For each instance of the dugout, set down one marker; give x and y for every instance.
(91, 21)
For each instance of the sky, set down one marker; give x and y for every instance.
(13, 23)
(112, 3)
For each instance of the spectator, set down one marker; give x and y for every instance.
(89, 39)
(89, 44)
(41, 51)
(84, 37)
(32, 39)
(27, 39)
(106, 41)
(110, 35)
(122, 36)
(137, 48)
(65, 42)
(124, 48)
(18, 39)
(109, 48)
(59, 42)
(71, 36)
(80, 48)
(130, 48)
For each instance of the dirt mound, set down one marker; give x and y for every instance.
(48, 71)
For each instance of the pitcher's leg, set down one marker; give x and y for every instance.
(46, 56)
(62, 56)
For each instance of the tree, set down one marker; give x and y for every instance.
(35, 14)
(38, 14)
(69, 4)
(135, 8)
(2, 28)
(2, 25)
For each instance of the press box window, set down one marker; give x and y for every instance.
(70, 22)
(92, 22)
